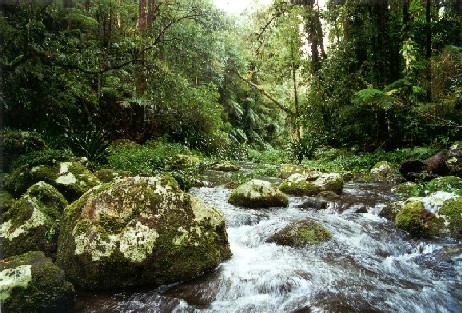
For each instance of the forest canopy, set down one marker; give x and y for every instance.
(368, 75)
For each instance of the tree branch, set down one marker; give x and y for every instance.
(265, 93)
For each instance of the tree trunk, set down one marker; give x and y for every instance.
(142, 15)
(428, 49)
(151, 9)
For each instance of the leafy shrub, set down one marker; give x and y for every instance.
(41, 157)
(91, 144)
(17, 143)
(147, 159)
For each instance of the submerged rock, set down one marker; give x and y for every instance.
(32, 223)
(31, 283)
(258, 194)
(71, 178)
(298, 185)
(301, 233)
(140, 231)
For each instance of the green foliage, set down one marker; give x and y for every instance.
(41, 157)
(91, 144)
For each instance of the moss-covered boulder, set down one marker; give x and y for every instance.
(140, 231)
(454, 160)
(182, 161)
(71, 178)
(330, 182)
(451, 214)
(382, 170)
(16, 143)
(226, 166)
(451, 184)
(407, 189)
(289, 169)
(417, 221)
(108, 175)
(258, 194)
(298, 185)
(301, 233)
(32, 223)
(6, 201)
(31, 283)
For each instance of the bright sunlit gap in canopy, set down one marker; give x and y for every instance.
(237, 6)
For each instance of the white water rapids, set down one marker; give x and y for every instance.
(367, 266)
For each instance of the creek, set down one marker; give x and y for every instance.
(367, 266)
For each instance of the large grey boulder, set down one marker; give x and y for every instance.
(140, 231)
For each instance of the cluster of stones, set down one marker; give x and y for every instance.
(128, 231)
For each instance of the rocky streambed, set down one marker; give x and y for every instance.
(368, 265)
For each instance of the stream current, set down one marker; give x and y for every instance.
(367, 266)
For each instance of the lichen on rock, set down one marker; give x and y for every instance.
(71, 178)
(298, 185)
(31, 283)
(32, 223)
(140, 231)
(330, 182)
(301, 233)
(258, 194)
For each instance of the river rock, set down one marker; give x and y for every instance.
(32, 223)
(140, 231)
(301, 233)
(71, 178)
(454, 160)
(330, 182)
(258, 194)
(428, 169)
(416, 220)
(451, 184)
(289, 169)
(298, 185)
(31, 283)
(407, 189)
(182, 161)
(226, 166)
(451, 214)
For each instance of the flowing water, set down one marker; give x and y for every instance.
(367, 266)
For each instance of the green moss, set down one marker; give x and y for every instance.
(33, 221)
(72, 179)
(226, 166)
(39, 286)
(330, 182)
(139, 231)
(109, 175)
(418, 222)
(258, 194)
(301, 233)
(446, 183)
(451, 212)
(6, 201)
(299, 188)
(407, 189)
(289, 169)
